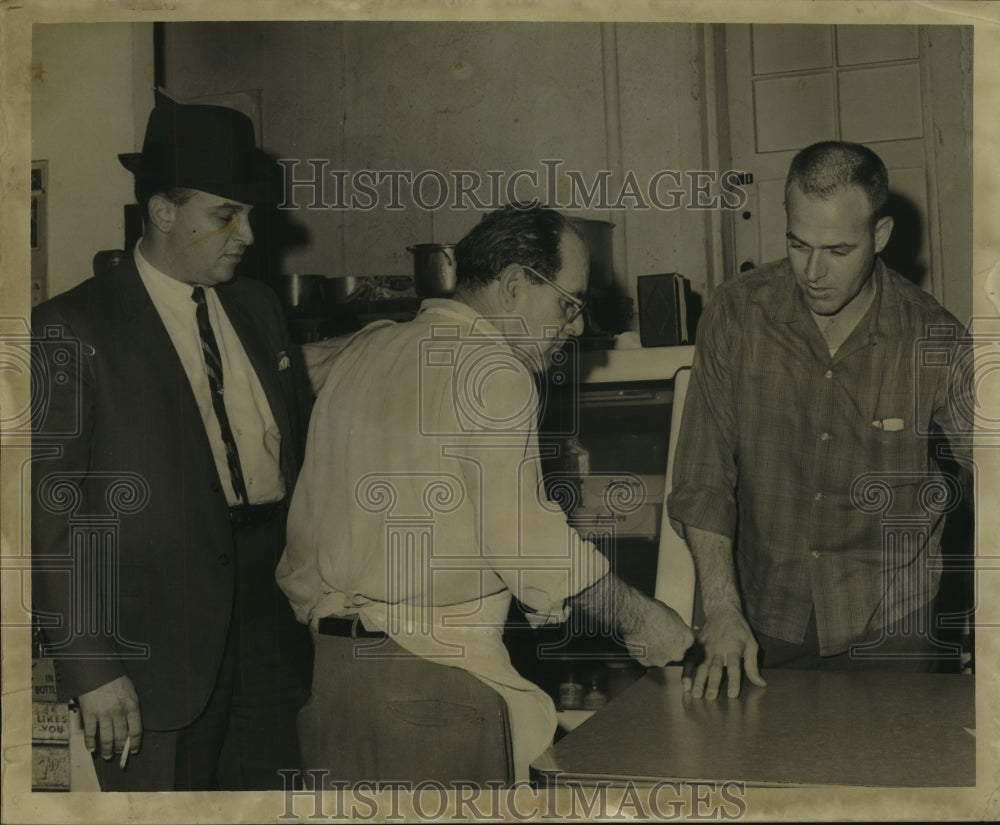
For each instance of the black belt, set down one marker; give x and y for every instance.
(349, 626)
(249, 515)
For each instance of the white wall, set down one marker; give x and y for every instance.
(465, 96)
(91, 91)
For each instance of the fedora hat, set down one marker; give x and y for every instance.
(209, 148)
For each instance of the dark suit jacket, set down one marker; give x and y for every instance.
(131, 538)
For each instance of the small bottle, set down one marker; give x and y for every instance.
(570, 691)
(595, 698)
(570, 463)
(577, 459)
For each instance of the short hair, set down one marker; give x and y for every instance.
(146, 188)
(519, 233)
(824, 168)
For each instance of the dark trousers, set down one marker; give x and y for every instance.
(396, 717)
(902, 647)
(247, 732)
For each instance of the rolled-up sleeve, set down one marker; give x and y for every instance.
(705, 470)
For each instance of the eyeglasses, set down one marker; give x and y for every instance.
(573, 306)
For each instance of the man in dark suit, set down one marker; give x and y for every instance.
(168, 433)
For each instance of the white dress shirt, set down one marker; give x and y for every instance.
(420, 505)
(258, 440)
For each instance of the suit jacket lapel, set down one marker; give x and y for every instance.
(143, 324)
(139, 313)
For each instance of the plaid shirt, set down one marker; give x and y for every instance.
(821, 467)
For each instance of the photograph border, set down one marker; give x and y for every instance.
(981, 802)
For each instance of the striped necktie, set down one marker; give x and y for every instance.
(213, 366)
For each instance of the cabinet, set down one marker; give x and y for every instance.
(606, 439)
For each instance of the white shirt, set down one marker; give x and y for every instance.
(258, 440)
(420, 504)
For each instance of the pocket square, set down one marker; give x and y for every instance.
(284, 362)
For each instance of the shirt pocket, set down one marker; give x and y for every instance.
(894, 447)
(897, 454)
(899, 469)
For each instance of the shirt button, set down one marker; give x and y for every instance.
(828, 374)
(818, 497)
(215, 487)
(824, 436)
(223, 559)
(814, 554)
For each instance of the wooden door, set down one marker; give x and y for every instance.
(792, 85)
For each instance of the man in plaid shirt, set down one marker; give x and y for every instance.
(807, 480)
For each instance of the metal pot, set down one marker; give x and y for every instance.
(341, 288)
(303, 292)
(317, 294)
(434, 272)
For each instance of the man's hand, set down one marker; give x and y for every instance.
(660, 637)
(725, 639)
(114, 708)
(653, 632)
(729, 646)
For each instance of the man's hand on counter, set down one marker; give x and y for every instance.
(725, 646)
(653, 632)
(660, 637)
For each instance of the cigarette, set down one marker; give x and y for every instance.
(124, 759)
